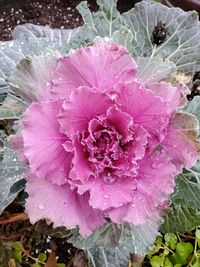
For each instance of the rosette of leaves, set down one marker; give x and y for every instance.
(159, 57)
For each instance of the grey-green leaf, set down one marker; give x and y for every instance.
(102, 23)
(181, 45)
(184, 213)
(31, 78)
(187, 189)
(11, 108)
(134, 29)
(193, 107)
(12, 174)
(112, 244)
(154, 69)
(31, 40)
(180, 219)
(124, 37)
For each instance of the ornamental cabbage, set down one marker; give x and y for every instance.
(99, 143)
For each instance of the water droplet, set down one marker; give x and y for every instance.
(155, 166)
(109, 179)
(41, 207)
(65, 204)
(174, 146)
(160, 165)
(11, 44)
(47, 83)
(106, 196)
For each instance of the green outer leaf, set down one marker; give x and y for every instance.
(27, 81)
(11, 108)
(182, 44)
(12, 175)
(184, 214)
(180, 219)
(31, 40)
(193, 107)
(112, 244)
(188, 189)
(154, 69)
(124, 37)
(102, 23)
(134, 30)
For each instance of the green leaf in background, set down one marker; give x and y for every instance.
(17, 255)
(12, 174)
(156, 261)
(112, 244)
(42, 257)
(17, 245)
(170, 240)
(36, 265)
(197, 234)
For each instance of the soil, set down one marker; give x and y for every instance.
(54, 13)
(185, 5)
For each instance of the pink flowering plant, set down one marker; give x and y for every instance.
(103, 134)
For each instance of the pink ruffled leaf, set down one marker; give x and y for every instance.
(120, 120)
(145, 107)
(181, 140)
(105, 195)
(43, 142)
(174, 96)
(81, 169)
(155, 182)
(60, 205)
(101, 65)
(83, 105)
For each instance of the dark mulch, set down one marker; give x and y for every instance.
(54, 13)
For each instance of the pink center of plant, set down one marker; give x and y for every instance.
(107, 150)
